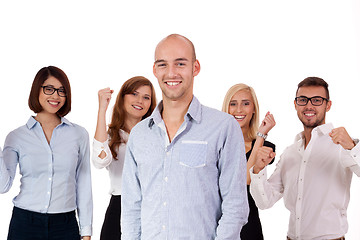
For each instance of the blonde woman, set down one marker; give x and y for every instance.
(241, 102)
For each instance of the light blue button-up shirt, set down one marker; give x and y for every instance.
(55, 176)
(193, 188)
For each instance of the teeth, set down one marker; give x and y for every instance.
(309, 114)
(172, 83)
(239, 117)
(137, 107)
(53, 103)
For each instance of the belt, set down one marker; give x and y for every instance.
(341, 238)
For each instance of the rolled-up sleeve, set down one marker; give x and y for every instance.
(98, 147)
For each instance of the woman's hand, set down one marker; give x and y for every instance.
(104, 98)
(267, 124)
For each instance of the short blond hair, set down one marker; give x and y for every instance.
(254, 122)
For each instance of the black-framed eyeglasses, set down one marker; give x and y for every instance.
(49, 90)
(315, 101)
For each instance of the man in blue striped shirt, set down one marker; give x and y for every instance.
(184, 175)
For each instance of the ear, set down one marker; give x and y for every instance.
(328, 105)
(154, 70)
(196, 68)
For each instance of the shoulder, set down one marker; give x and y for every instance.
(141, 127)
(75, 127)
(17, 132)
(215, 116)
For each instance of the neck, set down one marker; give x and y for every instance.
(307, 133)
(131, 122)
(47, 118)
(174, 111)
(245, 134)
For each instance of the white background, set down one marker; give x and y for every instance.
(271, 45)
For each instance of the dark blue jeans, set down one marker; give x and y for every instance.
(28, 225)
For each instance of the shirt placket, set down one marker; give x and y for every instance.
(169, 146)
(165, 195)
(50, 175)
(300, 192)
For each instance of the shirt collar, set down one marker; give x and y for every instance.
(193, 112)
(32, 122)
(322, 129)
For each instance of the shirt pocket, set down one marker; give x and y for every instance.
(193, 153)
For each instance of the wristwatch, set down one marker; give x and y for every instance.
(264, 136)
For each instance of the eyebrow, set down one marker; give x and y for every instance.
(144, 94)
(176, 60)
(244, 100)
(181, 59)
(313, 96)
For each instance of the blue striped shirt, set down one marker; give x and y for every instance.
(55, 176)
(191, 188)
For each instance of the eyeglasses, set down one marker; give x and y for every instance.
(315, 101)
(49, 90)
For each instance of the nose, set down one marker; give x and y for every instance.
(172, 71)
(139, 98)
(55, 94)
(239, 107)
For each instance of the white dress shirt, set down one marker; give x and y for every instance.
(315, 184)
(115, 167)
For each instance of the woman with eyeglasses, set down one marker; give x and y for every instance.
(135, 101)
(241, 102)
(54, 163)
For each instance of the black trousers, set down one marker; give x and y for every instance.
(111, 229)
(28, 225)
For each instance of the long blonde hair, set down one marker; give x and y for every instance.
(254, 122)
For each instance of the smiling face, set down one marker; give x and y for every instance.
(242, 107)
(175, 68)
(312, 116)
(51, 103)
(137, 104)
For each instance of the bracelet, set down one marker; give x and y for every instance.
(264, 136)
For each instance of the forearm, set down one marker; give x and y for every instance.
(100, 132)
(252, 159)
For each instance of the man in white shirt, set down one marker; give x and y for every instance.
(314, 174)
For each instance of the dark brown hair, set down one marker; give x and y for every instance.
(119, 114)
(41, 76)
(314, 81)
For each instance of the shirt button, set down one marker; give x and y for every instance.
(49, 178)
(48, 193)
(166, 179)
(164, 203)
(163, 227)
